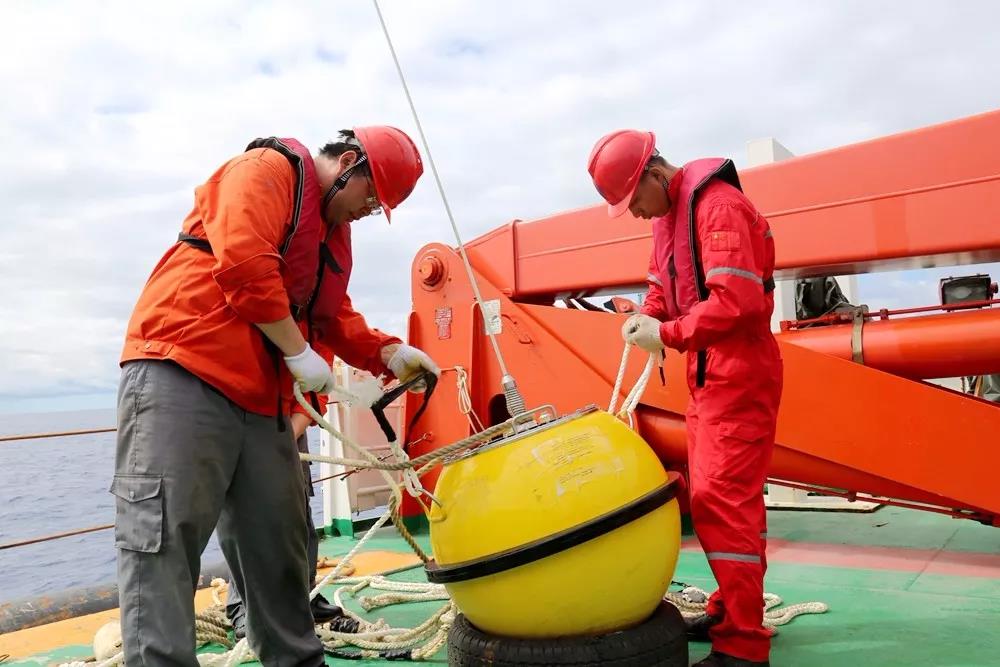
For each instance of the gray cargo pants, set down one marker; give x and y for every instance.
(234, 599)
(189, 459)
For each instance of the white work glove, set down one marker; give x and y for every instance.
(406, 361)
(644, 332)
(311, 371)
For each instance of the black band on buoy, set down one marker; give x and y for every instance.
(555, 543)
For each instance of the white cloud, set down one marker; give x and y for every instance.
(113, 112)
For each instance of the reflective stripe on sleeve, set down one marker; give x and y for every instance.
(733, 271)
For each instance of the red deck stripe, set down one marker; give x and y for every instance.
(929, 561)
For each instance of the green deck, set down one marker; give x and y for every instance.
(904, 588)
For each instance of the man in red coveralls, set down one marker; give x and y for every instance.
(710, 295)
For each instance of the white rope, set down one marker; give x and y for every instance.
(692, 602)
(632, 398)
(410, 480)
(434, 592)
(113, 661)
(619, 379)
(465, 399)
(347, 559)
(433, 631)
(371, 461)
(403, 462)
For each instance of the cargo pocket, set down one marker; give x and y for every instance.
(737, 449)
(138, 512)
(742, 430)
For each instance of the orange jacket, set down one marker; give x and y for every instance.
(198, 309)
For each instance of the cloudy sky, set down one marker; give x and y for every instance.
(111, 113)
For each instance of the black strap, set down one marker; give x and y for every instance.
(297, 163)
(326, 255)
(195, 241)
(555, 543)
(378, 408)
(341, 182)
(701, 368)
(702, 363)
(401, 654)
(314, 401)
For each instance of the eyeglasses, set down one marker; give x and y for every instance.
(645, 170)
(372, 204)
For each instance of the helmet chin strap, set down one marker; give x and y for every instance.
(665, 184)
(341, 183)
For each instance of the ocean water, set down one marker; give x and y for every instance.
(59, 484)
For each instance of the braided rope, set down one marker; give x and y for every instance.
(692, 602)
(465, 400)
(370, 602)
(419, 461)
(393, 639)
(632, 398)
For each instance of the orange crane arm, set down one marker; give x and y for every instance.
(910, 200)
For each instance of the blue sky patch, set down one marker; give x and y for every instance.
(329, 55)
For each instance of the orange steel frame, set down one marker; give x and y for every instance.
(930, 197)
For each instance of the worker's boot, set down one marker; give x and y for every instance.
(322, 610)
(240, 626)
(334, 617)
(716, 659)
(698, 627)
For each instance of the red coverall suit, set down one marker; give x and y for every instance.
(733, 408)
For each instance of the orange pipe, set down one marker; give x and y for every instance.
(666, 435)
(933, 346)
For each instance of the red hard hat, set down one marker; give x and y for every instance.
(616, 165)
(395, 163)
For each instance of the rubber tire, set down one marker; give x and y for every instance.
(659, 641)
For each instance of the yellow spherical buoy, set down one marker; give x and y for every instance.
(568, 528)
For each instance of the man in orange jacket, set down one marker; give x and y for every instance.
(710, 295)
(226, 322)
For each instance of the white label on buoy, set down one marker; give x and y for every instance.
(491, 317)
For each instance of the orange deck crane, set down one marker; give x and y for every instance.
(930, 197)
